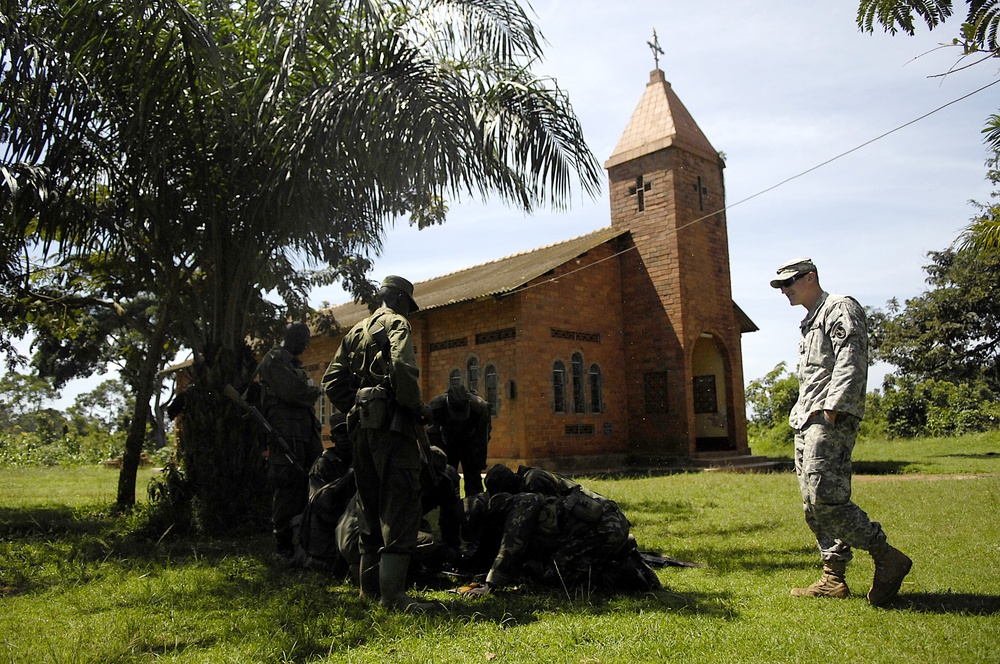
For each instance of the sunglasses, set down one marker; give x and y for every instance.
(791, 280)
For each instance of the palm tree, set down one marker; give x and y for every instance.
(235, 149)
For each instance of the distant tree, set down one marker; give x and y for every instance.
(109, 404)
(22, 398)
(772, 397)
(770, 400)
(952, 331)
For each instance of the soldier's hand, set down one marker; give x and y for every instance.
(474, 589)
(425, 416)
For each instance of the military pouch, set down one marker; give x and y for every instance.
(373, 407)
(584, 507)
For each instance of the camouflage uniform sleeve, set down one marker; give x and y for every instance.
(519, 529)
(286, 382)
(848, 332)
(338, 380)
(404, 374)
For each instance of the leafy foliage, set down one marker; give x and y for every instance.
(771, 399)
(978, 35)
(937, 408)
(950, 332)
(978, 31)
(227, 156)
(92, 430)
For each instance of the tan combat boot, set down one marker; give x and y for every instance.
(831, 584)
(891, 565)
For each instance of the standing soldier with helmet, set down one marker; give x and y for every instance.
(288, 406)
(374, 378)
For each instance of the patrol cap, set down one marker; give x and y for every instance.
(458, 403)
(792, 268)
(402, 285)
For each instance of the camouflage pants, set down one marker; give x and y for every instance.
(387, 471)
(823, 466)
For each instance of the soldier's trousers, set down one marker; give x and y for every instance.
(290, 494)
(823, 466)
(387, 470)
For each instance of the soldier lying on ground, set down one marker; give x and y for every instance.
(573, 539)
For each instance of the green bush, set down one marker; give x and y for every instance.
(33, 448)
(937, 408)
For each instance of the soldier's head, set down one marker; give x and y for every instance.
(343, 446)
(798, 280)
(397, 294)
(296, 338)
(501, 479)
(458, 403)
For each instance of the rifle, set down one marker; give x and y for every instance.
(272, 434)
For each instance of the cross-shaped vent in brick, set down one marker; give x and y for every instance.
(639, 191)
(701, 194)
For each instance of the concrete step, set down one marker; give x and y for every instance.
(733, 462)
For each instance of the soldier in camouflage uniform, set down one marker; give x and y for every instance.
(545, 526)
(461, 425)
(288, 404)
(550, 540)
(374, 378)
(833, 373)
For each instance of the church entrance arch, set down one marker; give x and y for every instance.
(713, 428)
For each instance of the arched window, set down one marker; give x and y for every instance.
(579, 406)
(454, 378)
(559, 387)
(492, 389)
(596, 390)
(472, 373)
(321, 409)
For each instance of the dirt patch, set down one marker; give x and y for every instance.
(918, 476)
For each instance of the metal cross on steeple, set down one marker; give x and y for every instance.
(654, 46)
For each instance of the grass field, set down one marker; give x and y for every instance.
(77, 586)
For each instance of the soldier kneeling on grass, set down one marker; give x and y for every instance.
(571, 540)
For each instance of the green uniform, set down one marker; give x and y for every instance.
(554, 541)
(464, 441)
(288, 405)
(374, 376)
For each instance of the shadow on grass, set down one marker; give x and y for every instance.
(525, 605)
(957, 603)
(881, 467)
(980, 455)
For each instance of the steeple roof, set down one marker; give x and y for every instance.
(659, 121)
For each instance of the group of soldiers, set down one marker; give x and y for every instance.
(362, 505)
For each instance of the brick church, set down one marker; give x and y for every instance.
(616, 349)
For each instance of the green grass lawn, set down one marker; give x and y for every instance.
(74, 588)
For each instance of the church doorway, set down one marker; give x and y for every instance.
(708, 370)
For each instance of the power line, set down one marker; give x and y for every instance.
(772, 187)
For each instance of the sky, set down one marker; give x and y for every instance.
(780, 87)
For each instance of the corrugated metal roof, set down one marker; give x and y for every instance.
(489, 279)
(501, 276)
